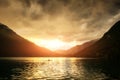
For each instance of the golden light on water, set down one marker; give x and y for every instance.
(49, 68)
(55, 69)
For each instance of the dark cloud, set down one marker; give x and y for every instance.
(54, 18)
(4, 3)
(83, 9)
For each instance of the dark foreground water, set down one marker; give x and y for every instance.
(53, 69)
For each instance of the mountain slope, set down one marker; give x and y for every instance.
(79, 48)
(106, 47)
(13, 45)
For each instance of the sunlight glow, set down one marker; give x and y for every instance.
(54, 44)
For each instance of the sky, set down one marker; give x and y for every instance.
(71, 21)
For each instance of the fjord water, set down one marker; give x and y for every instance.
(51, 69)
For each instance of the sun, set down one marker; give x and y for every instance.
(55, 44)
(52, 44)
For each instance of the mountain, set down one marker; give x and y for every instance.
(13, 45)
(107, 47)
(72, 51)
(107, 50)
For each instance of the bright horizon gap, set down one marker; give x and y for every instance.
(55, 44)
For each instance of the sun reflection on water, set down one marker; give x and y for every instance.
(53, 69)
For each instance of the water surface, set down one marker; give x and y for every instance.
(51, 69)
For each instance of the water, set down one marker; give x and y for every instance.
(52, 69)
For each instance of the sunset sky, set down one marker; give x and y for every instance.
(69, 22)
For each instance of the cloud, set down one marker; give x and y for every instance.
(4, 3)
(65, 19)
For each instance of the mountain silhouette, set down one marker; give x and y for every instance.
(76, 49)
(106, 50)
(13, 45)
(107, 47)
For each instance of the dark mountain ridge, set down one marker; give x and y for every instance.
(13, 45)
(106, 47)
(106, 50)
(79, 48)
